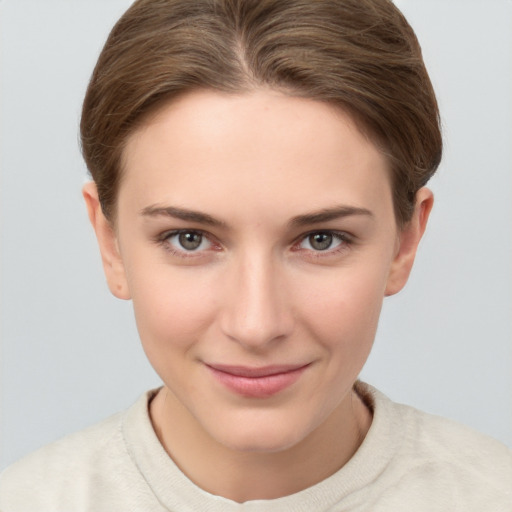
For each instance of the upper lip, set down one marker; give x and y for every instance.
(254, 372)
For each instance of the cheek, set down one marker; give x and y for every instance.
(343, 310)
(170, 309)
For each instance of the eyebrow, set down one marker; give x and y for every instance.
(328, 214)
(324, 215)
(183, 214)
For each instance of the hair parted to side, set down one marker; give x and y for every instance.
(360, 55)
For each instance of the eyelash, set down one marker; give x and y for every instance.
(344, 238)
(164, 240)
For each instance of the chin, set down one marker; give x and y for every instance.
(259, 444)
(262, 435)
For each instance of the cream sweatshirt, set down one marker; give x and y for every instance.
(409, 462)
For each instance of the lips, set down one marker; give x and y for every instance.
(259, 382)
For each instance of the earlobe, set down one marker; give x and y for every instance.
(107, 240)
(409, 239)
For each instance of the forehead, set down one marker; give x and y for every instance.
(252, 151)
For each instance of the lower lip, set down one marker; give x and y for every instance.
(258, 387)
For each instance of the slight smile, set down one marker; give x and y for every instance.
(259, 382)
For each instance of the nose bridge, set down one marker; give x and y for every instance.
(256, 311)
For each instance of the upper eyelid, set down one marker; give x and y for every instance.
(172, 232)
(163, 240)
(164, 236)
(335, 232)
(338, 232)
(347, 237)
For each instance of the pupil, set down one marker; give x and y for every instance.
(190, 241)
(320, 241)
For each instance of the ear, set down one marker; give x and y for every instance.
(107, 240)
(408, 239)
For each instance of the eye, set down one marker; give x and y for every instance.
(188, 241)
(322, 241)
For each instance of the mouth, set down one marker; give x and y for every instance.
(260, 382)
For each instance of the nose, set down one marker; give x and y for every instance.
(256, 311)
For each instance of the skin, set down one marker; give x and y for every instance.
(257, 291)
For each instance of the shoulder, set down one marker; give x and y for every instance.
(64, 473)
(67, 462)
(442, 456)
(85, 446)
(458, 446)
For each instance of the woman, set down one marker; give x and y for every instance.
(259, 187)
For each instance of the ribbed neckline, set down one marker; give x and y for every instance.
(346, 487)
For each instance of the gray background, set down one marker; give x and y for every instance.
(70, 354)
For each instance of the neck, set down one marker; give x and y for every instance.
(245, 476)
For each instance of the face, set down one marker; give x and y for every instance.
(255, 235)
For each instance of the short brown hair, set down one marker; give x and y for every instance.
(360, 55)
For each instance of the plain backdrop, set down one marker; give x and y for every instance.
(70, 353)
